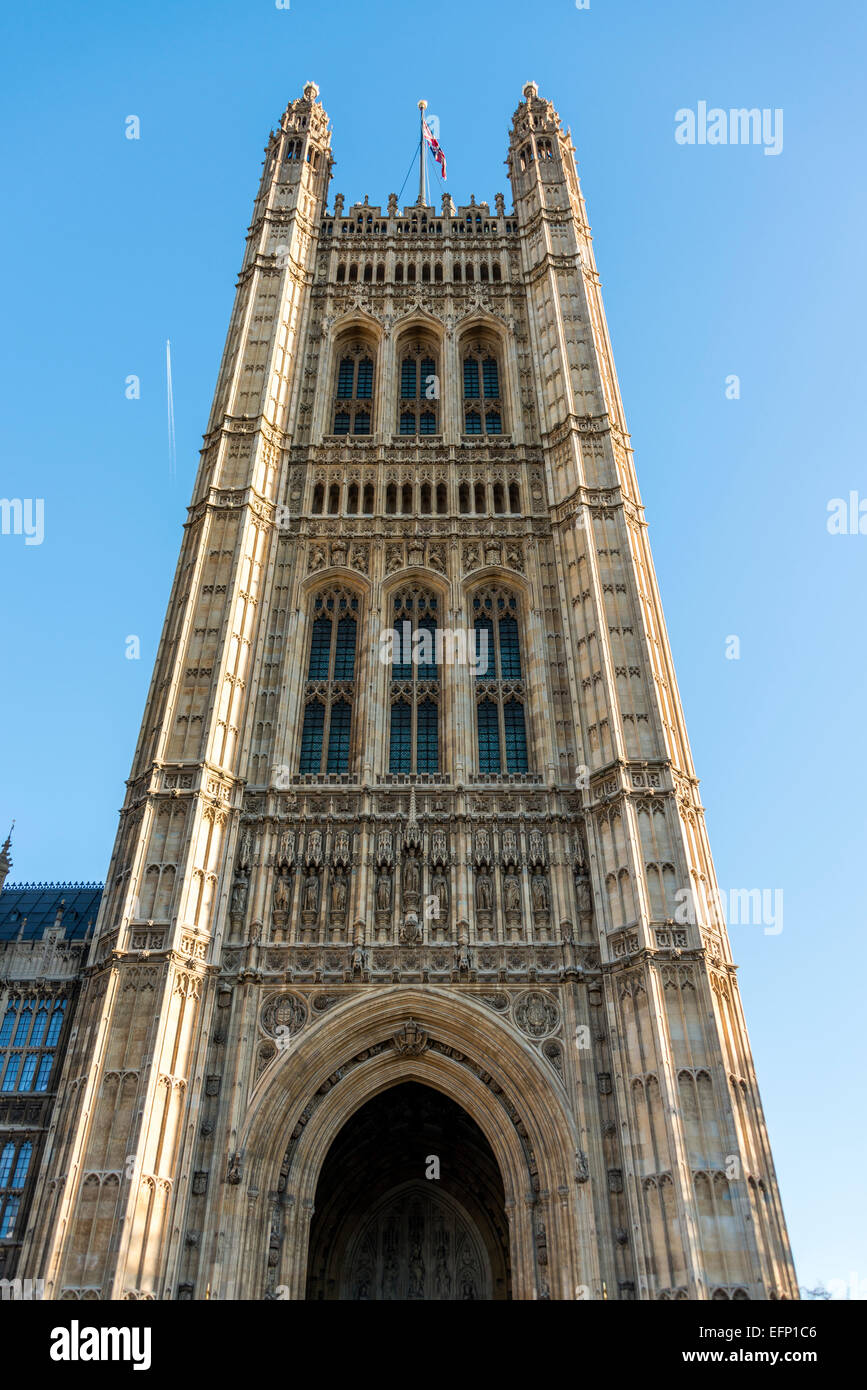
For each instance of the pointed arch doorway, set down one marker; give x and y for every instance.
(383, 1230)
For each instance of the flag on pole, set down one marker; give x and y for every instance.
(434, 145)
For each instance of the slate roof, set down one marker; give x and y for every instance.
(38, 902)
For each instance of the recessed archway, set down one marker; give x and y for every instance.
(409, 1205)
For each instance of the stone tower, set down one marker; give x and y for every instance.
(392, 992)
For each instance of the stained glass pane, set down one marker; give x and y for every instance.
(320, 650)
(427, 423)
(362, 422)
(364, 389)
(486, 668)
(408, 379)
(23, 1028)
(7, 1025)
(427, 759)
(341, 422)
(311, 737)
(10, 1212)
(473, 422)
(489, 737)
(471, 377)
(427, 670)
(407, 422)
(28, 1071)
(400, 748)
(44, 1072)
(490, 379)
(22, 1165)
(345, 379)
(344, 656)
(493, 423)
(516, 736)
(338, 737)
(510, 653)
(6, 1158)
(56, 1024)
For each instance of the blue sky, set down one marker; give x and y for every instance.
(715, 260)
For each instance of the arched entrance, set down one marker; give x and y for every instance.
(385, 1230)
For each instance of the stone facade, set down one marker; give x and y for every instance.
(337, 876)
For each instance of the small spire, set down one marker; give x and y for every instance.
(6, 856)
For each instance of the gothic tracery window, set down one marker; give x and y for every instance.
(329, 692)
(28, 1037)
(481, 390)
(414, 697)
(500, 692)
(354, 393)
(419, 390)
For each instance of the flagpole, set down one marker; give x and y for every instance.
(422, 107)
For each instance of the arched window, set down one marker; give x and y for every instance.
(419, 389)
(425, 274)
(368, 499)
(481, 376)
(318, 499)
(442, 499)
(499, 501)
(514, 497)
(329, 692)
(398, 274)
(500, 693)
(352, 499)
(414, 692)
(353, 273)
(380, 273)
(354, 390)
(438, 273)
(341, 273)
(368, 274)
(456, 273)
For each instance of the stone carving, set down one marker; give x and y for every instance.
(439, 854)
(311, 893)
(239, 897)
(338, 893)
(536, 1014)
(540, 893)
(283, 1013)
(383, 893)
(281, 894)
(342, 851)
(512, 893)
(537, 849)
(410, 1040)
(484, 894)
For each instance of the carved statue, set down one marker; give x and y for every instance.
(483, 893)
(286, 851)
(281, 894)
(441, 893)
(582, 892)
(512, 893)
(239, 897)
(537, 847)
(246, 848)
(411, 877)
(540, 893)
(311, 893)
(383, 892)
(338, 894)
